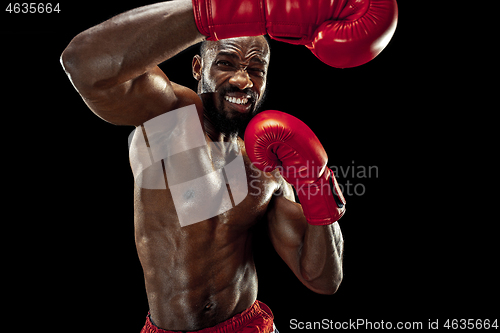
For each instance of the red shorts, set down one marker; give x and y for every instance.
(256, 319)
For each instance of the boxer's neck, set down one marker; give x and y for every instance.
(214, 134)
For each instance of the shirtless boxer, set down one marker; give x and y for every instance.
(202, 277)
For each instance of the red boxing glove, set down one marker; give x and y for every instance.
(220, 19)
(276, 139)
(341, 33)
(361, 31)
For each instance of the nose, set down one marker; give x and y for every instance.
(241, 79)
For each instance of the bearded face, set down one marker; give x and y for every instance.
(232, 77)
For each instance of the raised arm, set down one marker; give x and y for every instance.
(114, 64)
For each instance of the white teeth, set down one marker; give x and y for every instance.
(236, 100)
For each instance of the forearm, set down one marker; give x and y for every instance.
(321, 258)
(129, 44)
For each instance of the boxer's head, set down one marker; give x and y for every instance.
(232, 77)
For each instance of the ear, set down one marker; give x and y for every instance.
(196, 66)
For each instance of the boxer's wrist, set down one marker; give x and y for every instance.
(322, 201)
(220, 19)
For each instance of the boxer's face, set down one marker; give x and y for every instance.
(232, 80)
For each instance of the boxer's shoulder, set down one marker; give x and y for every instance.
(186, 96)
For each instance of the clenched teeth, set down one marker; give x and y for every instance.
(236, 100)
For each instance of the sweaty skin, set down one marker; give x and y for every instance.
(202, 274)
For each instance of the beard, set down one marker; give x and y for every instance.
(230, 122)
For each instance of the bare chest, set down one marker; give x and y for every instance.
(215, 184)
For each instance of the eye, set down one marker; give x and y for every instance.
(257, 71)
(224, 63)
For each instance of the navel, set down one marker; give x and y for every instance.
(209, 306)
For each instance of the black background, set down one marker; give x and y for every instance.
(412, 251)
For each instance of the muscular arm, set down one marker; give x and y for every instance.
(114, 64)
(314, 253)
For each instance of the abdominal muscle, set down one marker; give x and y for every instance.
(199, 275)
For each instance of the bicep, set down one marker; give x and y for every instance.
(135, 101)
